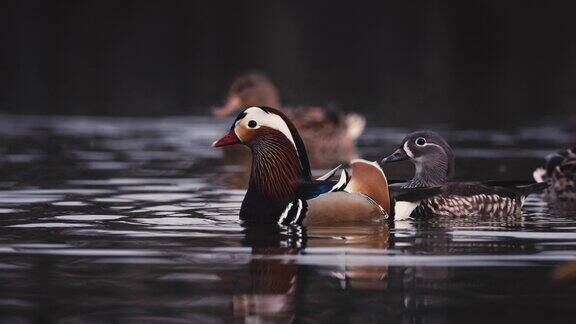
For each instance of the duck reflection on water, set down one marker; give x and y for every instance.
(283, 267)
(277, 279)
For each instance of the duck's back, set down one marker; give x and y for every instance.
(473, 199)
(329, 134)
(341, 208)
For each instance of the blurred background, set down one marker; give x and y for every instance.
(480, 63)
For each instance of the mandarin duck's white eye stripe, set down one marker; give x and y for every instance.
(238, 119)
(420, 142)
(433, 144)
(407, 150)
(263, 118)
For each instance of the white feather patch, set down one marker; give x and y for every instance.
(263, 118)
(285, 213)
(297, 216)
(539, 174)
(403, 209)
(342, 182)
(329, 174)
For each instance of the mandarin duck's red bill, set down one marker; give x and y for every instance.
(229, 139)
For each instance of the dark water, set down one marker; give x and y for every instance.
(135, 220)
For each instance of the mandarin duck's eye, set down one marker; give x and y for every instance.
(252, 124)
(420, 141)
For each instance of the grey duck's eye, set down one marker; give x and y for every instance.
(252, 124)
(420, 141)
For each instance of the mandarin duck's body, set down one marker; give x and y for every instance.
(434, 162)
(328, 134)
(560, 174)
(281, 189)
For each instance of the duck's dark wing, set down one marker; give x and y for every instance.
(507, 189)
(397, 182)
(413, 194)
(519, 186)
(506, 183)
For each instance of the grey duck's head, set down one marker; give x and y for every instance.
(431, 155)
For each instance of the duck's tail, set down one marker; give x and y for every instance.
(533, 188)
(355, 125)
(369, 179)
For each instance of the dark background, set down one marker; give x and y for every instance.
(478, 63)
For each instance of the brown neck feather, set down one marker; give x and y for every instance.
(276, 170)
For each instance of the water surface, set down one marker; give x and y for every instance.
(136, 220)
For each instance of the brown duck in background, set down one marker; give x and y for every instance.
(329, 135)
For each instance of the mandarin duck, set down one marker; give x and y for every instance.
(434, 162)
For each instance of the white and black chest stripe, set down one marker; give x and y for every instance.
(475, 205)
(294, 213)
